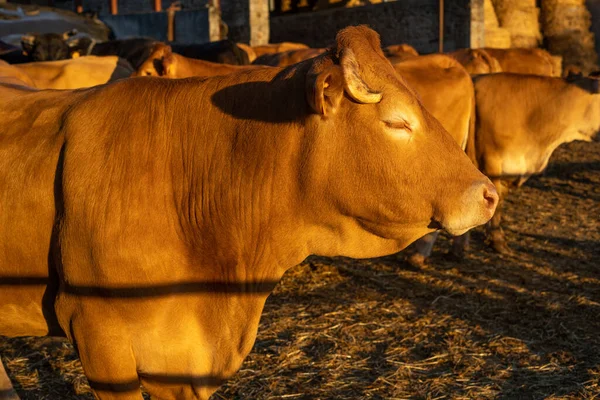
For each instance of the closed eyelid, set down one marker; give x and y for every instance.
(398, 124)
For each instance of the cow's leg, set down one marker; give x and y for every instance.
(495, 233)
(460, 244)
(424, 247)
(6, 390)
(106, 356)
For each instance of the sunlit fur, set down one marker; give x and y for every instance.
(164, 63)
(168, 209)
(538, 114)
(81, 72)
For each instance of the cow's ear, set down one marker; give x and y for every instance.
(325, 90)
(68, 34)
(159, 66)
(27, 42)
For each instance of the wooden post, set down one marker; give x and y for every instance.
(157, 5)
(78, 6)
(113, 7)
(171, 10)
(259, 22)
(441, 32)
(477, 28)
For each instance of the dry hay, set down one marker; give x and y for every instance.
(521, 19)
(566, 25)
(562, 17)
(523, 326)
(576, 50)
(489, 15)
(557, 62)
(497, 38)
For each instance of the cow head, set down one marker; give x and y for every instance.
(385, 170)
(159, 63)
(47, 46)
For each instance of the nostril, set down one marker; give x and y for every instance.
(490, 196)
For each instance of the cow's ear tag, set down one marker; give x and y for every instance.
(75, 54)
(325, 90)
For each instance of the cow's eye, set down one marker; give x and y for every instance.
(399, 125)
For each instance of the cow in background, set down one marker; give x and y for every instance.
(287, 58)
(164, 63)
(521, 120)
(75, 73)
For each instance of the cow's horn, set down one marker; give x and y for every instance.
(355, 86)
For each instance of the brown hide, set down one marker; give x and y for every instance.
(525, 61)
(273, 48)
(248, 50)
(400, 52)
(81, 72)
(287, 58)
(544, 113)
(538, 114)
(179, 204)
(476, 61)
(12, 74)
(445, 89)
(163, 62)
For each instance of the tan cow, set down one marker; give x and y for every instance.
(400, 52)
(476, 61)
(525, 61)
(287, 58)
(163, 62)
(151, 218)
(521, 120)
(248, 50)
(12, 74)
(75, 73)
(273, 48)
(446, 90)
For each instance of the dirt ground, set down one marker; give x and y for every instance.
(525, 326)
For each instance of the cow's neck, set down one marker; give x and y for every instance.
(239, 209)
(575, 116)
(241, 198)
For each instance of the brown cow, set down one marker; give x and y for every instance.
(537, 115)
(273, 48)
(11, 74)
(287, 58)
(446, 90)
(163, 62)
(248, 50)
(476, 61)
(525, 61)
(75, 73)
(152, 234)
(400, 52)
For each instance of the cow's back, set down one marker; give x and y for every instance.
(524, 61)
(76, 73)
(30, 146)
